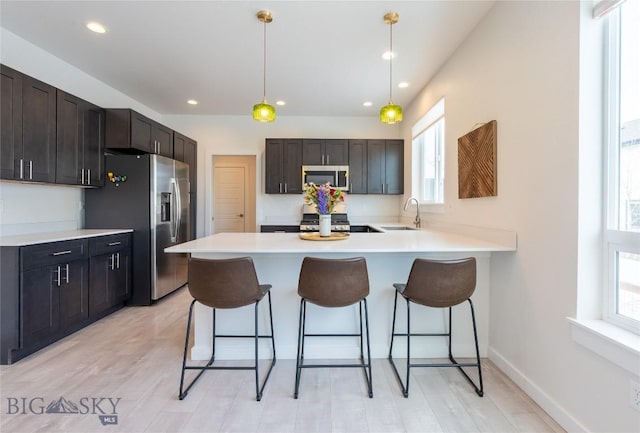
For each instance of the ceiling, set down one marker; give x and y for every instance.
(324, 58)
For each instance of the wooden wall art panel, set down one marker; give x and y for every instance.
(477, 162)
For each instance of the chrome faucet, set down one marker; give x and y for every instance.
(406, 205)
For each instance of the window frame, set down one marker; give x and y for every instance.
(616, 241)
(430, 119)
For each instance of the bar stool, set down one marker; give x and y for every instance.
(226, 283)
(333, 283)
(439, 284)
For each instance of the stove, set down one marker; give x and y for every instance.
(311, 222)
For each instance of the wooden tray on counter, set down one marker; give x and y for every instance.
(315, 236)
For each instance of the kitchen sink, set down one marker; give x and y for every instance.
(398, 228)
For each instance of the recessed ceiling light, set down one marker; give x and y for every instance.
(388, 55)
(96, 27)
(192, 102)
(367, 104)
(403, 85)
(281, 103)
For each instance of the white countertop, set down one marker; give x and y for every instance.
(391, 241)
(42, 238)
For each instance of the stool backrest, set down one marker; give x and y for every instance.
(441, 283)
(224, 283)
(333, 282)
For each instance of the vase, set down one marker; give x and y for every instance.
(325, 225)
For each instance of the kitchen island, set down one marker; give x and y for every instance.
(389, 255)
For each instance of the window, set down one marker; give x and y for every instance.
(622, 305)
(428, 156)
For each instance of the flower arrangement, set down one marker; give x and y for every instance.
(323, 196)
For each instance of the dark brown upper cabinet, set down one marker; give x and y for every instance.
(283, 166)
(28, 128)
(385, 162)
(80, 141)
(325, 152)
(129, 131)
(358, 166)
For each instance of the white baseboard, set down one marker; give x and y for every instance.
(548, 404)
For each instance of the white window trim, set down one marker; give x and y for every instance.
(607, 338)
(615, 240)
(609, 341)
(433, 115)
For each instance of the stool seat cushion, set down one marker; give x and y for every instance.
(333, 282)
(440, 283)
(225, 283)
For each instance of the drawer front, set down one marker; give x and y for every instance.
(109, 244)
(36, 256)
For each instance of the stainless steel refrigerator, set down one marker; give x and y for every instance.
(150, 194)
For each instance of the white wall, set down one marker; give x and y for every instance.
(521, 67)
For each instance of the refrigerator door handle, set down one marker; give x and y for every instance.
(174, 210)
(178, 210)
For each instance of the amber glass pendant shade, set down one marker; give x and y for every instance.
(391, 114)
(264, 112)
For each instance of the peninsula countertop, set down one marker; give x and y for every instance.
(419, 241)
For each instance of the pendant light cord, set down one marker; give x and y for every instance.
(264, 66)
(390, 59)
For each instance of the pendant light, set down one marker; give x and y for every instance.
(263, 112)
(391, 113)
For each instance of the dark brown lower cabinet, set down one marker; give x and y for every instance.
(53, 289)
(110, 273)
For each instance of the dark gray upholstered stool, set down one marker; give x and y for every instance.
(333, 283)
(439, 284)
(226, 283)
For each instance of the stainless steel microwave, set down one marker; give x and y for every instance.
(336, 175)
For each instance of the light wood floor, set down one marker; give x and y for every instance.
(135, 354)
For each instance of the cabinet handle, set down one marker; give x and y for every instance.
(82, 177)
(280, 187)
(285, 188)
(88, 176)
(118, 260)
(113, 244)
(328, 160)
(322, 160)
(61, 253)
(66, 278)
(21, 168)
(58, 278)
(30, 170)
(112, 262)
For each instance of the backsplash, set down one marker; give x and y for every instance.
(32, 208)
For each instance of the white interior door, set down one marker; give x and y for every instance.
(229, 190)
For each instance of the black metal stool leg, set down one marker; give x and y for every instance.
(405, 390)
(213, 334)
(366, 318)
(393, 324)
(183, 392)
(361, 342)
(480, 391)
(255, 328)
(298, 352)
